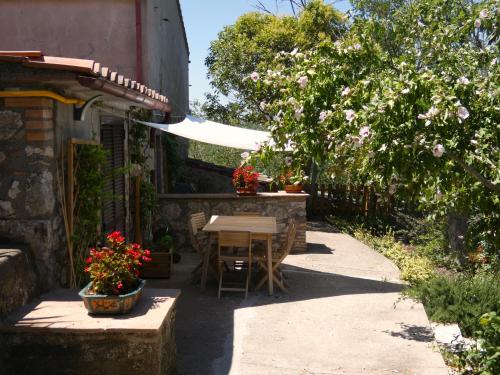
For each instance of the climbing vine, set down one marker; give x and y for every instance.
(89, 194)
(138, 139)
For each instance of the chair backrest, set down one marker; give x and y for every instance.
(235, 239)
(246, 213)
(196, 222)
(289, 240)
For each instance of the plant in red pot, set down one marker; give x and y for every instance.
(245, 180)
(115, 286)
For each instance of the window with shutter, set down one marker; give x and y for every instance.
(112, 139)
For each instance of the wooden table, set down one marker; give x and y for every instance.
(261, 227)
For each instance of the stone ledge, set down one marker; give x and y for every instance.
(63, 311)
(278, 195)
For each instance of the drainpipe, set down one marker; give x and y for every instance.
(138, 41)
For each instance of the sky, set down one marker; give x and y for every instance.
(204, 19)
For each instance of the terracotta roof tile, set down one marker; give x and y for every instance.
(36, 59)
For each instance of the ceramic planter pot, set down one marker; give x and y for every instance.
(293, 188)
(105, 304)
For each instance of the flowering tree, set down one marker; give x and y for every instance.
(409, 102)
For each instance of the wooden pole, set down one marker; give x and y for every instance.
(137, 226)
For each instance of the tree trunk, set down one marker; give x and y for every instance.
(457, 230)
(314, 189)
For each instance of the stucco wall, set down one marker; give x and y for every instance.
(99, 30)
(105, 31)
(163, 44)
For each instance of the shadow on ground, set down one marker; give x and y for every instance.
(205, 324)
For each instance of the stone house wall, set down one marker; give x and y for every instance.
(29, 207)
(175, 210)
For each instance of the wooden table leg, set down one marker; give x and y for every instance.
(270, 263)
(206, 263)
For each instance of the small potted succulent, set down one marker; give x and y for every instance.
(293, 179)
(115, 286)
(245, 180)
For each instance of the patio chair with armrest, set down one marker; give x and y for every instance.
(259, 255)
(199, 241)
(229, 240)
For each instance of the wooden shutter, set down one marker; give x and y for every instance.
(112, 139)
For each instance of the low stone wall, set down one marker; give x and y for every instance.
(17, 280)
(55, 335)
(176, 209)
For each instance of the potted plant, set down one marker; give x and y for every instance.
(162, 249)
(293, 178)
(115, 286)
(245, 180)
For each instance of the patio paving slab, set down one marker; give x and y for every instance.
(343, 315)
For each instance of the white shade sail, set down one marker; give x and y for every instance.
(214, 133)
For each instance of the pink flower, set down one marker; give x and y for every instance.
(477, 23)
(463, 81)
(364, 132)
(357, 141)
(350, 115)
(322, 116)
(345, 91)
(254, 76)
(288, 161)
(302, 81)
(298, 113)
(438, 150)
(462, 113)
(484, 14)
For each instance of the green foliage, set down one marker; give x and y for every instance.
(414, 268)
(90, 162)
(218, 155)
(461, 299)
(407, 99)
(484, 356)
(165, 242)
(174, 162)
(252, 42)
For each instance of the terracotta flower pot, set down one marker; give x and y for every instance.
(110, 304)
(293, 188)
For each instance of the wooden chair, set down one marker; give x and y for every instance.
(199, 241)
(227, 242)
(259, 255)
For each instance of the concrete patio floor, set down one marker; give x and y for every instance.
(342, 316)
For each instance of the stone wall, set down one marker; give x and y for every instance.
(29, 208)
(175, 209)
(15, 291)
(207, 177)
